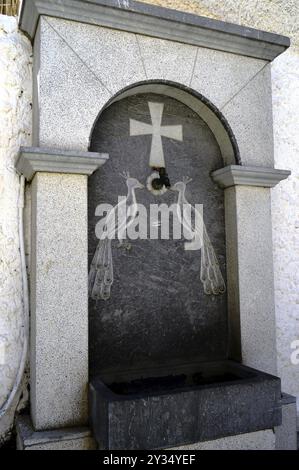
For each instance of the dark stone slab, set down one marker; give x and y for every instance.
(189, 404)
(152, 20)
(287, 399)
(158, 313)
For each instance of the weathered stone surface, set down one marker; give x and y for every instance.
(67, 101)
(286, 433)
(59, 307)
(58, 439)
(250, 276)
(158, 311)
(82, 85)
(249, 113)
(166, 60)
(110, 47)
(284, 210)
(259, 440)
(220, 75)
(129, 416)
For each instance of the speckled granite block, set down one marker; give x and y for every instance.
(59, 307)
(58, 439)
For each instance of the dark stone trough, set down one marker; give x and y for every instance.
(190, 404)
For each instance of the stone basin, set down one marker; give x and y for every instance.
(190, 403)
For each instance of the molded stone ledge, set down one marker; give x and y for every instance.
(35, 159)
(233, 175)
(142, 18)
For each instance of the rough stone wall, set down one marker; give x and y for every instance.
(15, 130)
(278, 16)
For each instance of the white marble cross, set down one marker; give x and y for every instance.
(157, 130)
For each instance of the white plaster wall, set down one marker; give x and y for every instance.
(15, 130)
(285, 215)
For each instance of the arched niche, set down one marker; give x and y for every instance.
(158, 314)
(206, 110)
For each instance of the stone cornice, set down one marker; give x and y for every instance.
(142, 18)
(34, 159)
(233, 175)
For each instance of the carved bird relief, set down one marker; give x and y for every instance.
(210, 274)
(117, 221)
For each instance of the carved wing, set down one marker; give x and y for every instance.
(210, 273)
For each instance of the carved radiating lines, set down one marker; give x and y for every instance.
(141, 56)
(80, 58)
(193, 68)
